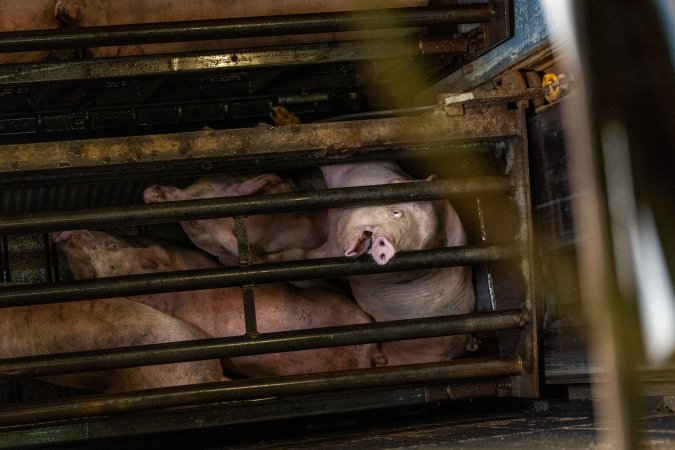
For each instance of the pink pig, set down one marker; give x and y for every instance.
(219, 312)
(87, 13)
(92, 325)
(22, 15)
(381, 232)
(269, 235)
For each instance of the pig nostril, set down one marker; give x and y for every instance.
(382, 244)
(383, 257)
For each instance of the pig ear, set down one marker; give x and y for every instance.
(153, 258)
(256, 184)
(67, 10)
(148, 263)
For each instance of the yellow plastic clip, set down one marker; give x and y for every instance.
(551, 81)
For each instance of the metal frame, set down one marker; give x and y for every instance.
(507, 375)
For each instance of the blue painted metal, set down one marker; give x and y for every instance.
(530, 33)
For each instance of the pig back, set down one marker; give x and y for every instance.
(22, 15)
(92, 325)
(118, 12)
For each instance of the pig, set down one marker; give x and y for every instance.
(219, 312)
(87, 13)
(99, 324)
(269, 235)
(381, 232)
(22, 15)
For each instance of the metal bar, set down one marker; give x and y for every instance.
(186, 168)
(317, 142)
(206, 416)
(249, 205)
(243, 27)
(189, 280)
(184, 63)
(247, 290)
(234, 346)
(258, 388)
(243, 248)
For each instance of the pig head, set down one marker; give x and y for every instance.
(268, 234)
(381, 232)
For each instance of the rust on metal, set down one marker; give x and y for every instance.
(338, 141)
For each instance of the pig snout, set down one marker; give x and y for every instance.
(382, 250)
(157, 194)
(379, 247)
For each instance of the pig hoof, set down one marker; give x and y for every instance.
(155, 194)
(380, 360)
(472, 344)
(382, 251)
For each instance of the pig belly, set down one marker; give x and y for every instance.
(92, 325)
(103, 12)
(439, 292)
(22, 15)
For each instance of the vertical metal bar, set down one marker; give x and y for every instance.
(248, 290)
(526, 385)
(53, 273)
(484, 239)
(5, 273)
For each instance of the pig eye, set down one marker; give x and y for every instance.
(397, 214)
(113, 246)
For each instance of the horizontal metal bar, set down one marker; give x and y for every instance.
(249, 205)
(229, 347)
(243, 27)
(234, 413)
(190, 280)
(311, 142)
(259, 388)
(185, 63)
(182, 168)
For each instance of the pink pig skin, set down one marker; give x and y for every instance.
(219, 312)
(269, 235)
(87, 13)
(382, 231)
(110, 323)
(22, 15)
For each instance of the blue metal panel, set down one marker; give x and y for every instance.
(530, 33)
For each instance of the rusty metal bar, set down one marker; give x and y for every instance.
(317, 142)
(190, 280)
(262, 387)
(244, 27)
(184, 63)
(228, 347)
(249, 205)
(233, 413)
